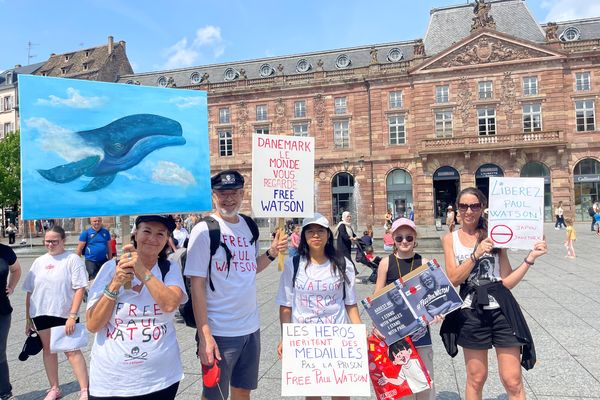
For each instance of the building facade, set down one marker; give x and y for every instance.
(9, 97)
(488, 91)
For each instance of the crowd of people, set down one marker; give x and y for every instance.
(131, 301)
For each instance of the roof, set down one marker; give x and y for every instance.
(28, 69)
(449, 25)
(588, 28)
(358, 56)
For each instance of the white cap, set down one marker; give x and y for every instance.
(318, 219)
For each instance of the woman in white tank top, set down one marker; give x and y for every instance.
(487, 321)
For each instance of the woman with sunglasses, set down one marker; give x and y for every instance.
(323, 273)
(490, 316)
(402, 261)
(55, 286)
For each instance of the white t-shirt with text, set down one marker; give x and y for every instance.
(232, 306)
(136, 352)
(52, 282)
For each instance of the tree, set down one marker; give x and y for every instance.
(10, 171)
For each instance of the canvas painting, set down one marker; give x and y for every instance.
(95, 148)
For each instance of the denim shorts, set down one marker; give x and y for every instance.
(240, 356)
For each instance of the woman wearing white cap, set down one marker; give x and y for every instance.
(320, 268)
(402, 261)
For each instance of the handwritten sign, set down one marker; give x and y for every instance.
(324, 360)
(516, 212)
(283, 169)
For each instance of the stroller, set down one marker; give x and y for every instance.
(365, 256)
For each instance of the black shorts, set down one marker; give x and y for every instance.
(93, 267)
(46, 322)
(484, 330)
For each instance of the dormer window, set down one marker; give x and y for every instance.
(87, 53)
(570, 34)
(85, 66)
(67, 57)
(63, 70)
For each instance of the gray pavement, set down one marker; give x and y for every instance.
(560, 299)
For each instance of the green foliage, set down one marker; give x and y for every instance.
(10, 171)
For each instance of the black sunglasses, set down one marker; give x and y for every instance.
(408, 238)
(474, 207)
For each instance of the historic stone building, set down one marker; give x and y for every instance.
(9, 99)
(488, 91)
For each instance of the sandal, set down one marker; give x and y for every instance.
(53, 394)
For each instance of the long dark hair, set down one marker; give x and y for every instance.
(338, 261)
(482, 227)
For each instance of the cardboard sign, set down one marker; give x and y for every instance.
(283, 169)
(324, 360)
(95, 148)
(516, 212)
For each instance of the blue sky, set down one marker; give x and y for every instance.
(180, 33)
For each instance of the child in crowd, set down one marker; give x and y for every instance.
(113, 243)
(570, 238)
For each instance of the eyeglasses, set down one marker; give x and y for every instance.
(474, 207)
(178, 221)
(52, 242)
(408, 238)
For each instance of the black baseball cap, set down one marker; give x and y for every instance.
(166, 220)
(229, 179)
(32, 346)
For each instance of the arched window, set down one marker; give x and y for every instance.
(399, 193)
(342, 189)
(535, 169)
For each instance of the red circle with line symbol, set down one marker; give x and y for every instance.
(501, 234)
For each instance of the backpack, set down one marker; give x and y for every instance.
(214, 233)
(591, 211)
(296, 264)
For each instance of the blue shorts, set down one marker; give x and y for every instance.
(240, 356)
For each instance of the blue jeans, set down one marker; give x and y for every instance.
(5, 386)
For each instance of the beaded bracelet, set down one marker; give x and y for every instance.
(110, 294)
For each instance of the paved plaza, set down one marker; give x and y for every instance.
(560, 299)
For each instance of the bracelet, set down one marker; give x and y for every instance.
(110, 294)
(147, 277)
(73, 316)
(526, 261)
(473, 258)
(269, 256)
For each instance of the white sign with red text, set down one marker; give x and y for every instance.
(283, 176)
(324, 360)
(516, 212)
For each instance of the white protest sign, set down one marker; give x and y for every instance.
(283, 176)
(324, 360)
(516, 212)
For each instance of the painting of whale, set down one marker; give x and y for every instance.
(102, 149)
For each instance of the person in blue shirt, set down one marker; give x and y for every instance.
(93, 244)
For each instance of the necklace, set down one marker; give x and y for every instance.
(412, 264)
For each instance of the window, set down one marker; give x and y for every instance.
(7, 103)
(341, 105)
(532, 117)
(442, 94)
(261, 112)
(225, 143)
(443, 124)
(397, 129)
(582, 81)
(486, 120)
(341, 134)
(262, 130)
(224, 116)
(8, 127)
(63, 70)
(395, 99)
(485, 90)
(85, 66)
(300, 109)
(530, 86)
(584, 115)
(570, 34)
(300, 129)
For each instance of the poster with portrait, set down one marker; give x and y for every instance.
(397, 370)
(392, 313)
(429, 291)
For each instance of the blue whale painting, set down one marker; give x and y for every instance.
(95, 148)
(125, 143)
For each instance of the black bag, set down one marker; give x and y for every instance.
(591, 211)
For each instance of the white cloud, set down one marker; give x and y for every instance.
(207, 40)
(67, 144)
(564, 10)
(74, 99)
(187, 102)
(170, 173)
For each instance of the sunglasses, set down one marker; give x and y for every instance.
(408, 238)
(474, 207)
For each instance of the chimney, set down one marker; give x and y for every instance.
(110, 45)
(122, 43)
(18, 66)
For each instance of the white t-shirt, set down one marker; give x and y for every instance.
(136, 352)
(413, 374)
(317, 296)
(232, 306)
(180, 235)
(52, 282)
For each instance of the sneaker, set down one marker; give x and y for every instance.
(556, 228)
(53, 394)
(7, 396)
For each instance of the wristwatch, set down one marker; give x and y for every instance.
(147, 277)
(269, 256)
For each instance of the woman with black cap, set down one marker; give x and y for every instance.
(131, 307)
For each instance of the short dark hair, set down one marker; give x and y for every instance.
(58, 229)
(397, 347)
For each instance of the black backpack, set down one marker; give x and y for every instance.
(591, 211)
(214, 233)
(296, 264)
